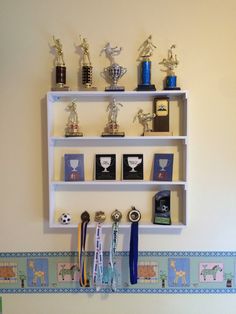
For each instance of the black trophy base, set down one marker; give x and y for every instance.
(142, 87)
(115, 89)
(117, 134)
(172, 88)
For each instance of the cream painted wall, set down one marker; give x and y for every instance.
(205, 34)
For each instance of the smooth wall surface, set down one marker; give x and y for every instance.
(205, 35)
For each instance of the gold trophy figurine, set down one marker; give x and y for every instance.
(112, 127)
(60, 67)
(72, 127)
(170, 63)
(144, 119)
(87, 69)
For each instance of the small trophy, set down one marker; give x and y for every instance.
(115, 71)
(112, 127)
(87, 69)
(72, 126)
(146, 51)
(170, 63)
(60, 67)
(143, 119)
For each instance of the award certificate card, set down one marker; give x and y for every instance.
(163, 167)
(105, 167)
(74, 167)
(132, 167)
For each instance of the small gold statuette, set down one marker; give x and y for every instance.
(112, 127)
(144, 119)
(72, 126)
(60, 66)
(170, 63)
(86, 69)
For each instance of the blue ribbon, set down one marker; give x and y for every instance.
(133, 253)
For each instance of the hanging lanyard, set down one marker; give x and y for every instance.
(116, 217)
(82, 262)
(134, 217)
(98, 254)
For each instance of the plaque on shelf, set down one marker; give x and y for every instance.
(105, 167)
(163, 167)
(162, 208)
(161, 121)
(132, 167)
(74, 167)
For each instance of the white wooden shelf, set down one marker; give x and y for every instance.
(64, 196)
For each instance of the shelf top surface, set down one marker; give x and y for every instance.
(56, 95)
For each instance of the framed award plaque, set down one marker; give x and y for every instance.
(161, 124)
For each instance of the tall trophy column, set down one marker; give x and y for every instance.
(86, 69)
(60, 67)
(146, 51)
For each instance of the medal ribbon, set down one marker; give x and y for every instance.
(113, 248)
(82, 259)
(133, 253)
(98, 258)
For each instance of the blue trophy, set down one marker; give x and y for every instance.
(170, 63)
(146, 51)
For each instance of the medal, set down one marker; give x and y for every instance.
(82, 263)
(134, 216)
(98, 254)
(116, 217)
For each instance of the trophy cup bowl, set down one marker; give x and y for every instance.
(105, 163)
(133, 162)
(163, 163)
(114, 72)
(74, 164)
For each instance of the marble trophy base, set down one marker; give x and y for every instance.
(78, 134)
(88, 88)
(143, 87)
(115, 134)
(153, 133)
(60, 88)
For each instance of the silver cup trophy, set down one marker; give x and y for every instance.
(115, 71)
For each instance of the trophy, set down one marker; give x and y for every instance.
(72, 126)
(162, 208)
(146, 51)
(133, 162)
(112, 127)
(143, 119)
(115, 71)
(87, 69)
(170, 63)
(60, 67)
